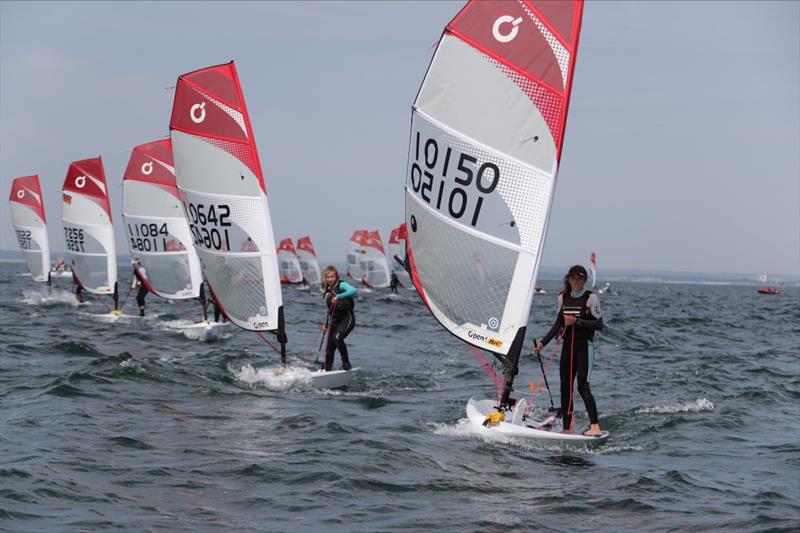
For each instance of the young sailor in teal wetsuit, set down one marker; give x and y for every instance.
(338, 296)
(579, 316)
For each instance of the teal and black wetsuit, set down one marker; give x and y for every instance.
(342, 321)
(577, 350)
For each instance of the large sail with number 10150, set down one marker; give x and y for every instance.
(486, 134)
(27, 216)
(157, 230)
(224, 197)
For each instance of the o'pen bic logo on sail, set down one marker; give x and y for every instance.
(197, 118)
(21, 194)
(147, 168)
(506, 37)
(483, 338)
(80, 182)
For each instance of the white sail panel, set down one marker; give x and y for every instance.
(288, 264)
(88, 230)
(30, 225)
(374, 267)
(158, 234)
(224, 198)
(307, 257)
(487, 127)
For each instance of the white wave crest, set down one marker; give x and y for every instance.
(701, 404)
(55, 297)
(273, 378)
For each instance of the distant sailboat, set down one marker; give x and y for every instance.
(30, 225)
(307, 257)
(88, 229)
(593, 270)
(374, 267)
(397, 249)
(288, 264)
(354, 255)
(158, 233)
(487, 129)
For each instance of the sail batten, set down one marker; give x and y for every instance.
(485, 143)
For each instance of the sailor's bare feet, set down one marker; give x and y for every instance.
(594, 431)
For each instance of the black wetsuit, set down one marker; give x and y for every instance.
(577, 351)
(393, 283)
(342, 322)
(142, 292)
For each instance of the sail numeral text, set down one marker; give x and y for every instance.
(473, 179)
(208, 224)
(74, 239)
(145, 237)
(24, 238)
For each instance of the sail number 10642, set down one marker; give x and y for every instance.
(208, 224)
(471, 180)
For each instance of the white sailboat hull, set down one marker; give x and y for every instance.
(478, 408)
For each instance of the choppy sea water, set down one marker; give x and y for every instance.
(134, 426)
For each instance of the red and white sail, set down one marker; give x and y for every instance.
(307, 257)
(374, 267)
(486, 137)
(397, 249)
(222, 189)
(354, 254)
(30, 225)
(288, 264)
(593, 269)
(158, 234)
(88, 229)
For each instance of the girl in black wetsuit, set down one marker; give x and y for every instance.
(579, 316)
(338, 296)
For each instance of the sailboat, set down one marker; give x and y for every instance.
(354, 254)
(307, 257)
(158, 234)
(487, 129)
(397, 246)
(30, 225)
(88, 231)
(374, 267)
(224, 199)
(288, 264)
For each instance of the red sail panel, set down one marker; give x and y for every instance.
(209, 104)
(534, 43)
(304, 243)
(373, 240)
(286, 246)
(27, 191)
(152, 163)
(394, 237)
(88, 178)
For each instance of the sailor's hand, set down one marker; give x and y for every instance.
(569, 320)
(538, 346)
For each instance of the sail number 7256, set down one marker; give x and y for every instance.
(208, 224)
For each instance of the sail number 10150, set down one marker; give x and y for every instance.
(471, 179)
(208, 225)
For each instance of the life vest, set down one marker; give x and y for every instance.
(579, 308)
(343, 305)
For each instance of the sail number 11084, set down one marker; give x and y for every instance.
(208, 224)
(471, 180)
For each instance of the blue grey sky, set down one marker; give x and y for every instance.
(681, 150)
